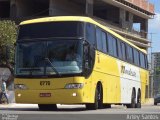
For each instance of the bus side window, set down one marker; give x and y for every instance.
(136, 57)
(119, 49)
(99, 39)
(123, 47)
(90, 33)
(110, 44)
(142, 60)
(146, 61)
(129, 54)
(115, 52)
(104, 42)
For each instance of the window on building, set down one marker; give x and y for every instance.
(127, 16)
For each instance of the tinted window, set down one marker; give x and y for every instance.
(123, 51)
(142, 60)
(130, 54)
(110, 44)
(115, 47)
(51, 29)
(119, 49)
(90, 33)
(146, 61)
(99, 39)
(136, 57)
(104, 42)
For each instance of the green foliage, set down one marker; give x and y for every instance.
(8, 33)
(157, 71)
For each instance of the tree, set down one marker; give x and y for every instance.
(8, 33)
(157, 71)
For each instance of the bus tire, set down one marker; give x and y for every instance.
(106, 105)
(47, 107)
(133, 100)
(98, 100)
(155, 103)
(138, 105)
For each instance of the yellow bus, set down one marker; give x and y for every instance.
(76, 60)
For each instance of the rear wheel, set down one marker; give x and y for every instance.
(47, 107)
(138, 105)
(106, 105)
(133, 100)
(155, 103)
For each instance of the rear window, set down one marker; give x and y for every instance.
(51, 29)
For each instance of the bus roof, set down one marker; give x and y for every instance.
(83, 19)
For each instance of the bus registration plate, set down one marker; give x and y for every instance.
(45, 94)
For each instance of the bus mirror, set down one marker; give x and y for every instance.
(86, 64)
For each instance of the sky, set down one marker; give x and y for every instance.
(154, 27)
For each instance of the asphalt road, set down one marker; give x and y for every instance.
(78, 112)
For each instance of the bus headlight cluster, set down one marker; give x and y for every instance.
(74, 86)
(20, 87)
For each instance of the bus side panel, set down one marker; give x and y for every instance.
(144, 81)
(130, 78)
(106, 71)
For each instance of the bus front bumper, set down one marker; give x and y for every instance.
(60, 96)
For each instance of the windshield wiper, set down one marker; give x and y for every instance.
(55, 70)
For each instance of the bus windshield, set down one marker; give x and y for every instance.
(49, 57)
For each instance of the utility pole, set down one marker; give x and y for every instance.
(151, 82)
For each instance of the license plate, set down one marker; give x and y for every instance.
(45, 94)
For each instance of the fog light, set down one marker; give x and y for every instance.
(74, 94)
(19, 95)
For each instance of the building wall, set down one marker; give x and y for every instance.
(156, 73)
(126, 23)
(65, 7)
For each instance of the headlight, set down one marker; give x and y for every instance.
(74, 86)
(20, 87)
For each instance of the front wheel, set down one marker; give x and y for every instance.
(138, 105)
(106, 105)
(98, 101)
